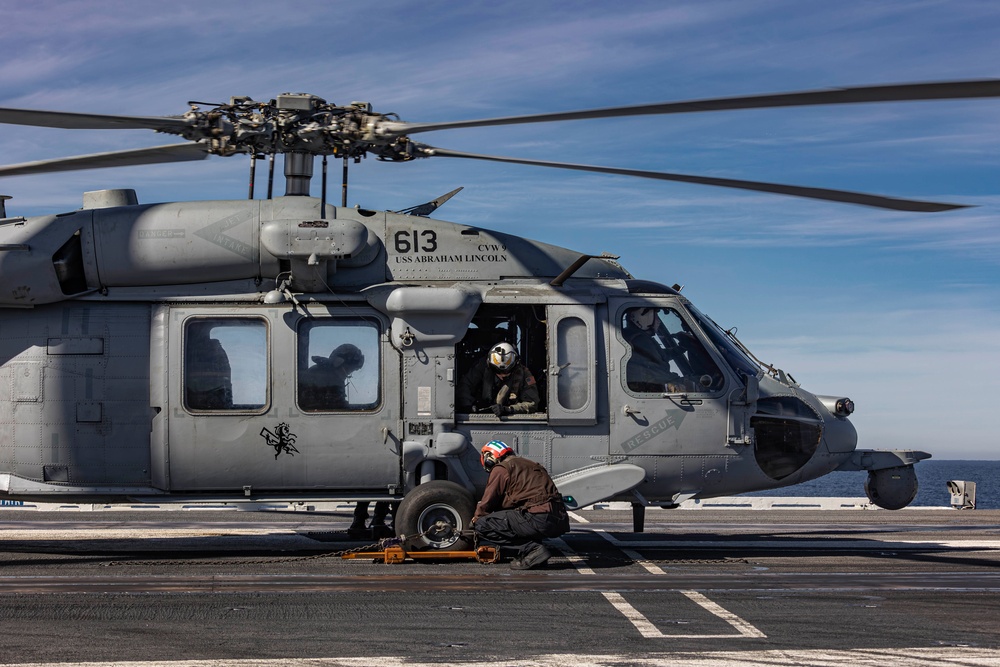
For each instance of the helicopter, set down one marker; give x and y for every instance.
(285, 348)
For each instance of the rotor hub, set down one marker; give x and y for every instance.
(293, 123)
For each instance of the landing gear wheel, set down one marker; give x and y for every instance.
(892, 488)
(438, 511)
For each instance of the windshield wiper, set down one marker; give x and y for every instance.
(778, 374)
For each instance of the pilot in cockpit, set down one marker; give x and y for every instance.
(648, 368)
(500, 384)
(666, 354)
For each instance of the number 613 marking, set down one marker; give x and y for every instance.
(415, 240)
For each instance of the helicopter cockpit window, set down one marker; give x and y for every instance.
(666, 356)
(338, 365)
(225, 364)
(729, 350)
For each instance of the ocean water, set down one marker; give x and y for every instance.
(932, 477)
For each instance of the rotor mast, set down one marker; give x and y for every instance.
(298, 173)
(304, 127)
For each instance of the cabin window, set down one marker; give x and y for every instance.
(665, 355)
(225, 364)
(339, 367)
(573, 383)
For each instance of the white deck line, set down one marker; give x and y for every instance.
(644, 626)
(945, 656)
(733, 503)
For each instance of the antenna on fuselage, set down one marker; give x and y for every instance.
(575, 266)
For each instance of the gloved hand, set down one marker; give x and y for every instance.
(499, 410)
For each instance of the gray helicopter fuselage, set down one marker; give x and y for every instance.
(271, 349)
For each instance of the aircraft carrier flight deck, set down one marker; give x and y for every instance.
(696, 587)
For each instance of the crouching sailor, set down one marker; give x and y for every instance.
(520, 506)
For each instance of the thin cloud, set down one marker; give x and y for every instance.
(839, 295)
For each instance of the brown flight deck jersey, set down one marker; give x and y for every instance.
(515, 483)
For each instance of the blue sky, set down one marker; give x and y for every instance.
(900, 311)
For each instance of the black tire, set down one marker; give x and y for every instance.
(437, 511)
(892, 488)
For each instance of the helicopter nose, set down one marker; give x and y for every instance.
(840, 435)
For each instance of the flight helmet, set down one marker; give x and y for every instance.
(493, 452)
(642, 318)
(346, 356)
(502, 357)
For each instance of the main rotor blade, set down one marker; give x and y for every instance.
(823, 194)
(87, 121)
(139, 156)
(855, 95)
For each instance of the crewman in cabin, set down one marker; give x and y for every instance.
(323, 386)
(520, 507)
(499, 384)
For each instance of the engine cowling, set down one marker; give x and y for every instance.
(53, 258)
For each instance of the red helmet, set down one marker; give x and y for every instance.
(493, 452)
